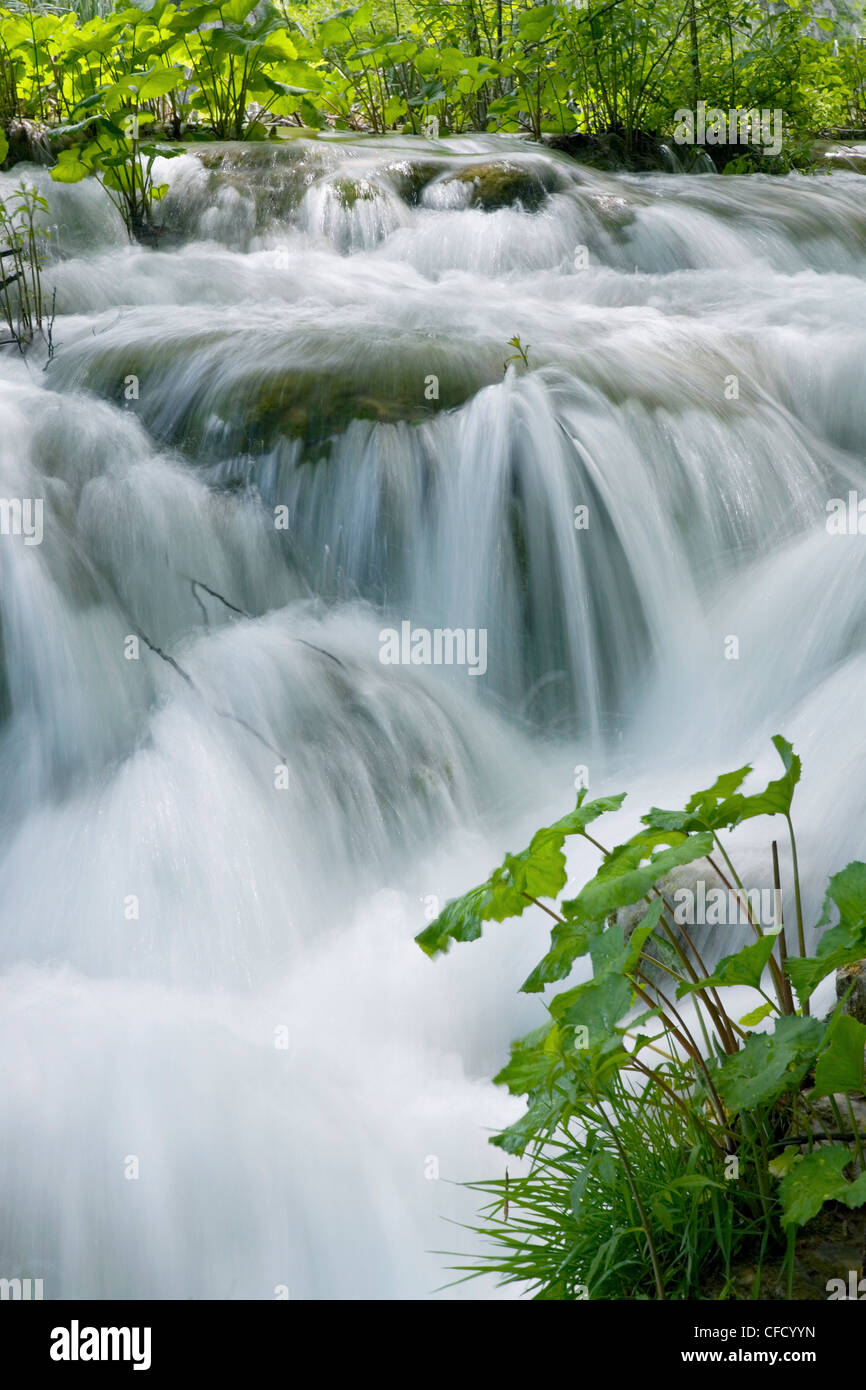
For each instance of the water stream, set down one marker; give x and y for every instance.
(213, 870)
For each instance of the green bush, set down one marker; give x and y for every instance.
(660, 1148)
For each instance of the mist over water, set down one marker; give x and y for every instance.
(214, 974)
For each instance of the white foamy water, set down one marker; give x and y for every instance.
(213, 871)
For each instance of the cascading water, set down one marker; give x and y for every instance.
(227, 1066)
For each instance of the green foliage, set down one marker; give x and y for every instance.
(22, 238)
(617, 1058)
(520, 354)
(842, 944)
(840, 1066)
(817, 1178)
(769, 1065)
(620, 68)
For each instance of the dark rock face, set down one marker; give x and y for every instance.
(30, 143)
(611, 150)
(832, 1247)
(854, 975)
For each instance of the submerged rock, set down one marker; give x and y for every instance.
(832, 154)
(288, 388)
(502, 183)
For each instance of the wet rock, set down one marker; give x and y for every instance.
(298, 395)
(29, 142)
(833, 154)
(830, 1247)
(611, 150)
(351, 191)
(502, 183)
(613, 210)
(409, 177)
(846, 977)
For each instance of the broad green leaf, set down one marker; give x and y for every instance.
(840, 1066)
(618, 885)
(460, 920)
(69, 168)
(777, 796)
(721, 806)
(700, 807)
(847, 890)
(842, 944)
(818, 1178)
(568, 943)
(532, 1059)
(542, 1116)
(159, 82)
(746, 967)
(644, 929)
(578, 1188)
(781, 1165)
(585, 812)
(769, 1064)
(662, 1212)
(598, 1004)
(535, 21)
(538, 872)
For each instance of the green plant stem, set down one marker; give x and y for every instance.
(801, 938)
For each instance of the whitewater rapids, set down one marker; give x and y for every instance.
(227, 1067)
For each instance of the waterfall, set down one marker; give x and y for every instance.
(292, 427)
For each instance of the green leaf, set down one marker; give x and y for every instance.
(662, 1211)
(721, 806)
(840, 1066)
(769, 1064)
(541, 1117)
(818, 1178)
(578, 1188)
(598, 1004)
(538, 872)
(460, 920)
(159, 82)
(644, 929)
(568, 943)
(756, 1015)
(746, 967)
(535, 21)
(847, 890)
(844, 943)
(618, 884)
(701, 806)
(4, 145)
(531, 1062)
(781, 1165)
(69, 168)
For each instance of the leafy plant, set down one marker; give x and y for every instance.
(22, 238)
(521, 353)
(614, 68)
(621, 1069)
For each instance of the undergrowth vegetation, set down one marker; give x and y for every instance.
(23, 306)
(232, 68)
(670, 1133)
